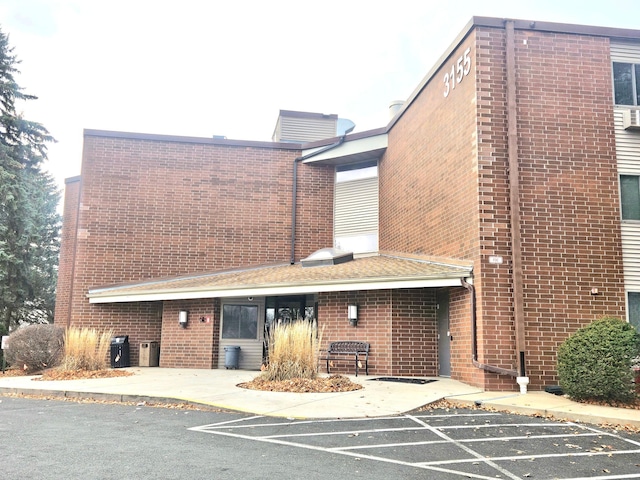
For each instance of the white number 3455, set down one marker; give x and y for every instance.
(459, 70)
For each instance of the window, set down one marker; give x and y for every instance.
(634, 309)
(626, 83)
(630, 197)
(240, 321)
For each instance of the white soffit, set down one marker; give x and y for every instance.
(386, 284)
(349, 151)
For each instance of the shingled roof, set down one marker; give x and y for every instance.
(376, 272)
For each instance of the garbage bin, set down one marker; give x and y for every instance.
(231, 357)
(149, 354)
(120, 352)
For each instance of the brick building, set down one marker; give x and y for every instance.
(496, 213)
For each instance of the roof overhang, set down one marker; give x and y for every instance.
(350, 151)
(267, 291)
(379, 272)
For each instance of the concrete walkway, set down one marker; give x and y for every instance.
(218, 388)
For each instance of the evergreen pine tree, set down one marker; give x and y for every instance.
(29, 224)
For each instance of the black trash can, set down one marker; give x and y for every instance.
(120, 352)
(231, 357)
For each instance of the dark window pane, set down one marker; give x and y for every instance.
(623, 83)
(240, 321)
(637, 68)
(630, 193)
(634, 309)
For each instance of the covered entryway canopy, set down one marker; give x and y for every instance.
(375, 272)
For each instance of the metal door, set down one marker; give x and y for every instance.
(444, 333)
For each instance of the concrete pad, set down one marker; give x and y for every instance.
(218, 388)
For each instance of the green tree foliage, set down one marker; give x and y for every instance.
(29, 224)
(595, 363)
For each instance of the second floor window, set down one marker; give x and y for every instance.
(630, 197)
(626, 83)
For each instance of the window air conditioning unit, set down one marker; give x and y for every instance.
(631, 119)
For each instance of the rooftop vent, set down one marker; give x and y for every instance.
(327, 256)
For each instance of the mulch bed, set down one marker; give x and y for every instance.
(334, 383)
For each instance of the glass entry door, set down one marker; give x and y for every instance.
(286, 310)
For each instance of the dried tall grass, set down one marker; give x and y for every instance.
(293, 351)
(86, 349)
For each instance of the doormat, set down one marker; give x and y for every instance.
(420, 381)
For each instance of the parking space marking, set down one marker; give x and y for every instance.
(337, 432)
(470, 451)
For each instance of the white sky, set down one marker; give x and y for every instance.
(202, 68)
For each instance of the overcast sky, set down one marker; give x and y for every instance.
(203, 68)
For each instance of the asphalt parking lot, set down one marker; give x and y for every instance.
(51, 439)
(456, 444)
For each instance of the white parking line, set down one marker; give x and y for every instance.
(470, 451)
(233, 428)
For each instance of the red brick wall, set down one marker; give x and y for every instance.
(193, 346)
(429, 193)
(461, 331)
(428, 177)
(414, 343)
(140, 321)
(314, 217)
(444, 191)
(67, 251)
(570, 200)
(569, 196)
(153, 208)
(400, 326)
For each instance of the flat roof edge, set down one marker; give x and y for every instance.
(495, 22)
(153, 137)
(570, 28)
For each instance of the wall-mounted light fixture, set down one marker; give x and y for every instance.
(183, 318)
(353, 315)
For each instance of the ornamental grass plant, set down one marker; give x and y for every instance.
(86, 349)
(293, 351)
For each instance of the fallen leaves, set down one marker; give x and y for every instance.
(334, 383)
(55, 374)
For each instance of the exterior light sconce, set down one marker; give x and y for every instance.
(353, 315)
(183, 318)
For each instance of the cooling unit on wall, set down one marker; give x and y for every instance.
(631, 119)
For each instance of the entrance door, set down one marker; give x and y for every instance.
(286, 310)
(444, 333)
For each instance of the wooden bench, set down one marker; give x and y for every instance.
(359, 351)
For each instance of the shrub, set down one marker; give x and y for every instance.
(595, 362)
(35, 347)
(293, 351)
(85, 349)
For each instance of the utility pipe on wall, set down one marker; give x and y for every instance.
(514, 198)
(474, 336)
(294, 201)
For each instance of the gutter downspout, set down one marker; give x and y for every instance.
(294, 203)
(474, 336)
(514, 199)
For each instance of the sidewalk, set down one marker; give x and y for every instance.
(218, 388)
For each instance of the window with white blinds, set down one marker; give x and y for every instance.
(356, 208)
